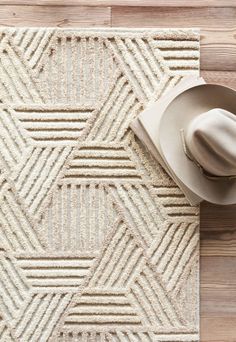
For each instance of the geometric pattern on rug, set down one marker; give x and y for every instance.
(97, 242)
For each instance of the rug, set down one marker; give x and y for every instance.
(97, 242)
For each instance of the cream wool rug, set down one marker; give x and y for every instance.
(97, 243)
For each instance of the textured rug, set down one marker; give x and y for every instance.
(96, 242)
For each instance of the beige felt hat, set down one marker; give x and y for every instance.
(197, 139)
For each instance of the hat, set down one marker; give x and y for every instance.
(197, 140)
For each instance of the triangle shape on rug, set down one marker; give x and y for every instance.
(54, 125)
(36, 175)
(175, 203)
(13, 140)
(137, 206)
(57, 272)
(15, 290)
(140, 64)
(119, 107)
(19, 231)
(158, 307)
(17, 82)
(41, 316)
(119, 261)
(173, 252)
(104, 162)
(182, 62)
(34, 43)
(101, 308)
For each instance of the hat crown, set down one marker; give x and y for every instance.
(211, 140)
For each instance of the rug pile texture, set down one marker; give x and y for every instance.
(97, 243)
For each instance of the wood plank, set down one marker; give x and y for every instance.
(218, 243)
(218, 329)
(48, 16)
(218, 299)
(218, 47)
(219, 273)
(218, 29)
(153, 3)
(207, 18)
(218, 303)
(218, 230)
(217, 217)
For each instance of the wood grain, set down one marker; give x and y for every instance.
(48, 16)
(218, 243)
(157, 3)
(218, 329)
(218, 298)
(218, 303)
(217, 217)
(218, 29)
(206, 18)
(218, 273)
(218, 230)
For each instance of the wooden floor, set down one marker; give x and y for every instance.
(217, 19)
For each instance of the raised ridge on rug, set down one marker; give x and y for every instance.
(97, 242)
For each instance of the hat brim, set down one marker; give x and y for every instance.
(177, 116)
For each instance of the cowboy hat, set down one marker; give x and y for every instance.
(197, 140)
